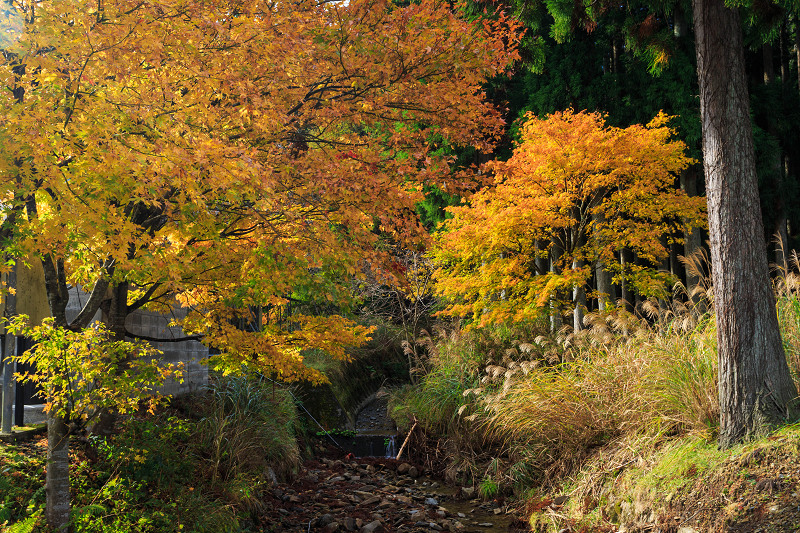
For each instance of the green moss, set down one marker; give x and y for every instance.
(679, 462)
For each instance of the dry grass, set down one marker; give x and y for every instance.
(533, 410)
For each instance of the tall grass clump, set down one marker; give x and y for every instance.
(435, 400)
(456, 359)
(623, 378)
(249, 428)
(788, 305)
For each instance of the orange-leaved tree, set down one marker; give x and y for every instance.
(231, 156)
(574, 194)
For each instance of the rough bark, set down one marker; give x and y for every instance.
(57, 508)
(755, 388)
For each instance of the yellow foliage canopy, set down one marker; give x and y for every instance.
(232, 153)
(574, 193)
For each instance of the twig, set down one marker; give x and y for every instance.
(410, 431)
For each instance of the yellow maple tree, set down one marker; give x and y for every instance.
(575, 193)
(233, 153)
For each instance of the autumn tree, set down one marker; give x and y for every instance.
(229, 156)
(575, 192)
(756, 392)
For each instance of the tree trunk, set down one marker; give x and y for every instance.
(605, 288)
(579, 302)
(797, 46)
(693, 239)
(779, 231)
(627, 294)
(756, 391)
(555, 311)
(115, 321)
(57, 483)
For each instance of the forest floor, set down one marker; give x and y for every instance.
(689, 487)
(753, 491)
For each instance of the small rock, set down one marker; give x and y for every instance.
(413, 472)
(371, 501)
(486, 524)
(324, 520)
(403, 468)
(468, 492)
(373, 527)
(385, 504)
(330, 528)
(462, 515)
(497, 511)
(432, 502)
(349, 523)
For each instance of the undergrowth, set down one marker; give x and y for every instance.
(201, 465)
(569, 413)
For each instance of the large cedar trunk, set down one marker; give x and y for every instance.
(755, 388)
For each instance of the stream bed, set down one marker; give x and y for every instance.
(372, 495)
(361, 487)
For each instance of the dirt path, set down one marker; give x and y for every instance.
(371, 495)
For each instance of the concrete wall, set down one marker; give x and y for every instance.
(32, 301)
(31, 296)
(189, 353)
(156, 325)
